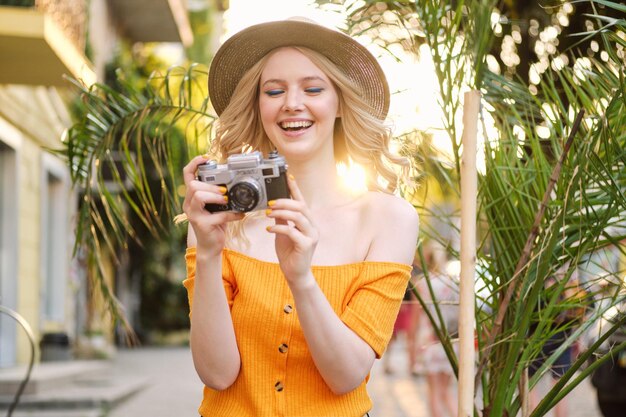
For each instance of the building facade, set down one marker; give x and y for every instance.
(40, 42)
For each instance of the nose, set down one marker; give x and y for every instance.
(293, 101)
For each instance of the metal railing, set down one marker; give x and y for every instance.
(31, 339)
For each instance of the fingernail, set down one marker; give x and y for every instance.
(206, 156)
(271, 203)
(223, 190)
(291, 177)
(225, 198)
(268, 228)
(268, 211)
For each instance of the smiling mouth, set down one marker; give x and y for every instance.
(295, 126)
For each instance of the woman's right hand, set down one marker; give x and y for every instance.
(208, 228)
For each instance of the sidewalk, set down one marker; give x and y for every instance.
(174, 389)
(403, 395)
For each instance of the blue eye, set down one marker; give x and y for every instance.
(274, 92)
(314, 90)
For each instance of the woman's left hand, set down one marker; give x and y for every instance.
(296, 236)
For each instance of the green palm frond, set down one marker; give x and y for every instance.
(125, 156)
(588, 199)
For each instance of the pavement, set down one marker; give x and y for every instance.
(174, 390)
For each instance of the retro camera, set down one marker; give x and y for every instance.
(251, 180)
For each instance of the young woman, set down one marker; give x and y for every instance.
(291, 306)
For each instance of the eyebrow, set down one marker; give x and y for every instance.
(309, 78)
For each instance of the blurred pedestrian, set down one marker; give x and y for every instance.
(406, 324)
(573, 304)
(559, 367)
(445, 297)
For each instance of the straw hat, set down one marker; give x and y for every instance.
(244, 49)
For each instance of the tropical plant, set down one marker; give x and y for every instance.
(553, 189)
(126, 155)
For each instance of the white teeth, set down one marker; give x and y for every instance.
(296, 125)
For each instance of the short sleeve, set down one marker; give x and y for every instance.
(372, 310)
(189, 282)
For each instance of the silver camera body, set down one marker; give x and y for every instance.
(250, 179)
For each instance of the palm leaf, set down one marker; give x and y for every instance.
(140, 139)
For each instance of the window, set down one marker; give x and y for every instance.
(55, 246)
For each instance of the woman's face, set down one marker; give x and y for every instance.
(298, 105)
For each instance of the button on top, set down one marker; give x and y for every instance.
(288, 309)
(279, 386)
(283, 348)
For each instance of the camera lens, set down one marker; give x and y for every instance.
(243, 196)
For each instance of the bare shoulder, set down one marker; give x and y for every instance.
(396, 225)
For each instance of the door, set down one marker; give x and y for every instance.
(8, 253)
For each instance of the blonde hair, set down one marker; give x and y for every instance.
(358, 136)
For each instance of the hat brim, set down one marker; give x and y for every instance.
(244, 49)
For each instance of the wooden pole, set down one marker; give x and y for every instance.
(469, 192)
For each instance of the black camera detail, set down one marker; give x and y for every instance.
(251, 181)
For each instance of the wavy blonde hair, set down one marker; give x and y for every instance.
(358, 135)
